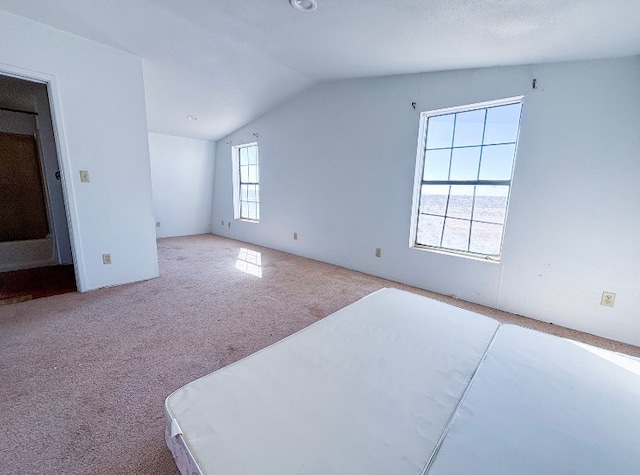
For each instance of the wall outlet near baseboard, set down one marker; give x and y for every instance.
(106, 258)
(295, 236)
(608, 299)
(378, 252)
(157, 224)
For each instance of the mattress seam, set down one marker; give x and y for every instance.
(445, 432)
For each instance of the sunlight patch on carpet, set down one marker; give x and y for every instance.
(249, 262)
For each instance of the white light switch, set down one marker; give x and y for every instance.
(84, 176)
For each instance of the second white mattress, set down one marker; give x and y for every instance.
(540, 404)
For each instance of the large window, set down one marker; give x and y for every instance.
(463, 177)
(246, 182)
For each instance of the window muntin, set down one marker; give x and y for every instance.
(464, 170)
(246, 182)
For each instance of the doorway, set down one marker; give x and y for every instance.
(35, 248)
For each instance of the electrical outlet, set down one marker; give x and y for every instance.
(295, 236)
(223, 223)
(84, 176)
(106, 258)
(378, 252)
(608, 299)
(229, 224)
(157, 224)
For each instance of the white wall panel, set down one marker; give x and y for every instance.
(337, 165)
(182, 183)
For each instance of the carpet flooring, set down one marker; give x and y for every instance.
(83, 377)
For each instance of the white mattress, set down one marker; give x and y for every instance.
(544, 405)
(369, 389)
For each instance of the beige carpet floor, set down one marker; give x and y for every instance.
(83, 377)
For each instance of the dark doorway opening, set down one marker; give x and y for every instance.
(35, 249)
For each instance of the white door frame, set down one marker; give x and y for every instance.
(64, 162)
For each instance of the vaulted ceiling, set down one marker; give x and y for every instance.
(228, 61)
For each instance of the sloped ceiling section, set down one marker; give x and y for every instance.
(228, 61)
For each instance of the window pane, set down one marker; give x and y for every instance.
(433, 199)
(257, 188)
(440, 131)
(486, 238)
(456, 234)
(253, 173)
(252, 210)
(460, 202)
(252, 153)
(251, 196)
(429, 230)
(469, 127)
(244, 192)
(491, 204)
(243, 156)
(502, 124)
(436, 165)
(244, 174)
(497, 162)
(464, 163)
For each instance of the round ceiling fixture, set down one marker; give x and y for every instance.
(304, 5)
(193, 117)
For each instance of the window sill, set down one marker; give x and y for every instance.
(467, 255)
(246, 220)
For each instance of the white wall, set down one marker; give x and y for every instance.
(99, 116)
(182, 184)
(337, 166)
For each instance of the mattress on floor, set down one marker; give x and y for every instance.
(369, 389)
(540, 404)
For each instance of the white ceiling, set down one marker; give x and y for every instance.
(228, 61)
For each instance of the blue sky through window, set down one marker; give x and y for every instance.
(474, 145)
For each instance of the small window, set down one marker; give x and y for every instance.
(463, 177)
(246, 182)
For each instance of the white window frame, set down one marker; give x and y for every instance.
(419, 170)
(236, 179)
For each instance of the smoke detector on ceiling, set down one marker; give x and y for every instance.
(193, 117)
(304, 5)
